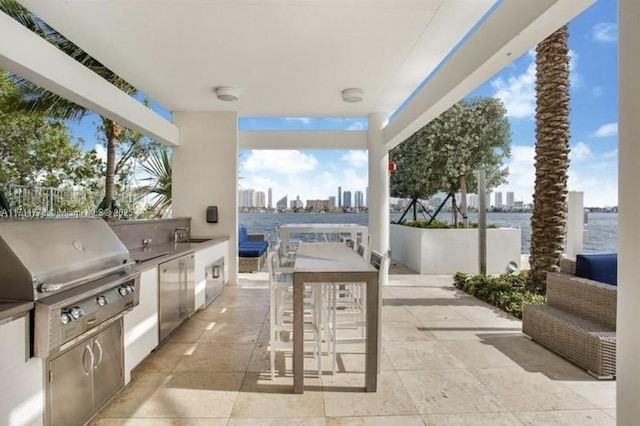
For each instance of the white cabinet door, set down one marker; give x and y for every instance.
(141, 324)
(204, 257)
(22, 396)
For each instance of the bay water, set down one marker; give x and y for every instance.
(602, 228)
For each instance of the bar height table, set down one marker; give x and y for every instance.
(318, 263)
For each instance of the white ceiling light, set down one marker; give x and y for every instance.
(226, 93)
(352, 95)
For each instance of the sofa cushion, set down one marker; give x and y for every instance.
(243, 235)
(251, 251)
(602, 267)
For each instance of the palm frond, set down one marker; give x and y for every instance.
(158, 167)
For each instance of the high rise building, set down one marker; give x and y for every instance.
(246, 197)
(472, 201)
(297, 203)
(259, 199)
(346, 199)
(498, 200)
(358, 201)
(332, 202)
(282, 203)
(366, 201)
(511, 200)
(318, 205)
(270, 199)
(339, 196)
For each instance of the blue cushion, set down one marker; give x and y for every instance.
(243, 235)
(598, 267)
(250, 252)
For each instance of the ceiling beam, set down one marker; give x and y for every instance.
(28, 55)
(513, 28)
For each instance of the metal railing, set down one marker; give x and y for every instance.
(39, 201)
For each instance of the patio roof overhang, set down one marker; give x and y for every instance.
(285, 57)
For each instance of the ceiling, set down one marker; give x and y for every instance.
(285, 57)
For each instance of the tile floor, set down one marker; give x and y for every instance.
(448, 359)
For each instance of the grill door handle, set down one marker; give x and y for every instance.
(99, 346)
(85, 370)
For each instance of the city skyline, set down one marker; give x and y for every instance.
(252, 198)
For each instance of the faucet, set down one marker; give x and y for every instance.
(180, 235)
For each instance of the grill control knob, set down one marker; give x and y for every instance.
(130, 288)
(101, 300)
(65, 318)
(76, 313)
(123, 291)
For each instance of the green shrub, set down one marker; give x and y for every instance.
(505, 291)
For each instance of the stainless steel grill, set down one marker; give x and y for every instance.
(82, 280)
(77, 270)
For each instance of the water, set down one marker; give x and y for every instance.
(602, 235)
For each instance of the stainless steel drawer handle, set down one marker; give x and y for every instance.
(99, 346)
(92, 358)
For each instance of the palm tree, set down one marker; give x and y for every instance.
(549, 218)
(34, 98)
(158, 167)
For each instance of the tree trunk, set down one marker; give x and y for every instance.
(415, 207)
(549, 216)
(463, 201)
(112, 133)
(454, 211)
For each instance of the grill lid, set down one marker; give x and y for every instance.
(52, 254)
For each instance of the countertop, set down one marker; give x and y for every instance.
(150, 256)
(11, 308)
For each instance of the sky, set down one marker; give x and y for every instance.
(316, 174)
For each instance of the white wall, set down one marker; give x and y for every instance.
(205, 173)
(447, 251)
(22, 390)
(628, 337)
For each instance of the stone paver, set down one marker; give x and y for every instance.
(447, 359)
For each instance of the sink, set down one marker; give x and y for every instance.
(199, 240)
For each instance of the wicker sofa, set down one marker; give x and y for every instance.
(252, 250)
(578, 321)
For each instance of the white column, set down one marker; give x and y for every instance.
(628, 337)
(378, 183)
(205, 173)
(575, 223)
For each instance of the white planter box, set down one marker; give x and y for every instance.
(447, 251)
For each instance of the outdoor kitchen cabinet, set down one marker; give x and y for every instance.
(82, 379)
(175, 293)
(205, 275)
(22, 393)
(141, 324)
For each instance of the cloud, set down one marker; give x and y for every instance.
(358, 125)
(607, 130)
(575, 78)
(518, 92)
(303, 120)
(521, 173)
(356, 158)
(611, 154)
(600, 188)
(101, 151)
(580, 152)
(279, 161)
(604, 32)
